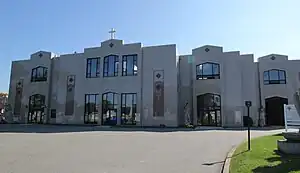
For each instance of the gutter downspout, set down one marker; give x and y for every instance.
(48, 107)
(141, 95)
(259, 95)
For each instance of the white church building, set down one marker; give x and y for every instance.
(129, 84)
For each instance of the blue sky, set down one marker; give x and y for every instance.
(64, 26)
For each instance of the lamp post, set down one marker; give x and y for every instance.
(248, 104)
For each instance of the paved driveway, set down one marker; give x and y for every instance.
(118, 152)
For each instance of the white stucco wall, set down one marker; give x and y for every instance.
(241, 79)
(160, 58)
(281, 62)
(233, 86)
(22, 70)
(75, 64)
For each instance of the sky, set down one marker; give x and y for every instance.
(260, 27)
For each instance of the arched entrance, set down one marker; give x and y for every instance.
(274, 111)
(36, 108)
(209, 110)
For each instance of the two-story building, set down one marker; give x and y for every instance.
(128, 84)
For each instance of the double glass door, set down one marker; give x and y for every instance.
(36, 108)
(210, 118)
(109, 117)
(209, 110)
(36, 116)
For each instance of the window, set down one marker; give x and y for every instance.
(209, 110)
(274, 77)
(110, 66)
(93, 67)
(53, 113)
(36, 101)
(109, 108)
(128, 109)
(129, 65)
(208, 71)
(91, 108)
(39, 74)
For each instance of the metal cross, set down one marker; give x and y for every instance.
(112, 33)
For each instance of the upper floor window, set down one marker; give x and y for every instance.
(274, 77)
(208, 70)
(39, 74)
(93, 67)
(110, 66)
(129, 65)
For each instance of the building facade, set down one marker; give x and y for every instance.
(128, 84)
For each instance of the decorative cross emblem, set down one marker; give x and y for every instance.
(158, 75)
(40, 55)
(273, 58)
(111, 45)
(207, 49)
(112, 33)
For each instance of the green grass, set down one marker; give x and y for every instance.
(263, 158)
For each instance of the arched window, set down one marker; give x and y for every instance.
(208, 70)
(39, 74)
(209, 110)
(109, 108)
(110, 66)
(36, 101)
(274, 76)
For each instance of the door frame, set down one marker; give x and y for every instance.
(34, 107)
(283, 100)
(210, 108)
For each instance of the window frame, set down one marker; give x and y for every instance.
(88, 72)
(36, 78)
(33, 100)
(106, 66)
(109, 107)
(87, 111)
(134, 63)
(201, 76)
(274, 82)
(133, 104)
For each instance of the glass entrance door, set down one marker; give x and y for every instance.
(209, 110)
(210, 118)
(36, 108)
(109, 108)
(36, 116)
(110, 117)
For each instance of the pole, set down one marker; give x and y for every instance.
(248, 110)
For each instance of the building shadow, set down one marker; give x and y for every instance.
(63, 128)
(288, 163)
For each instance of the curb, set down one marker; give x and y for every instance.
(226, 165)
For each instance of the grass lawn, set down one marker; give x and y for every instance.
(263, 158)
